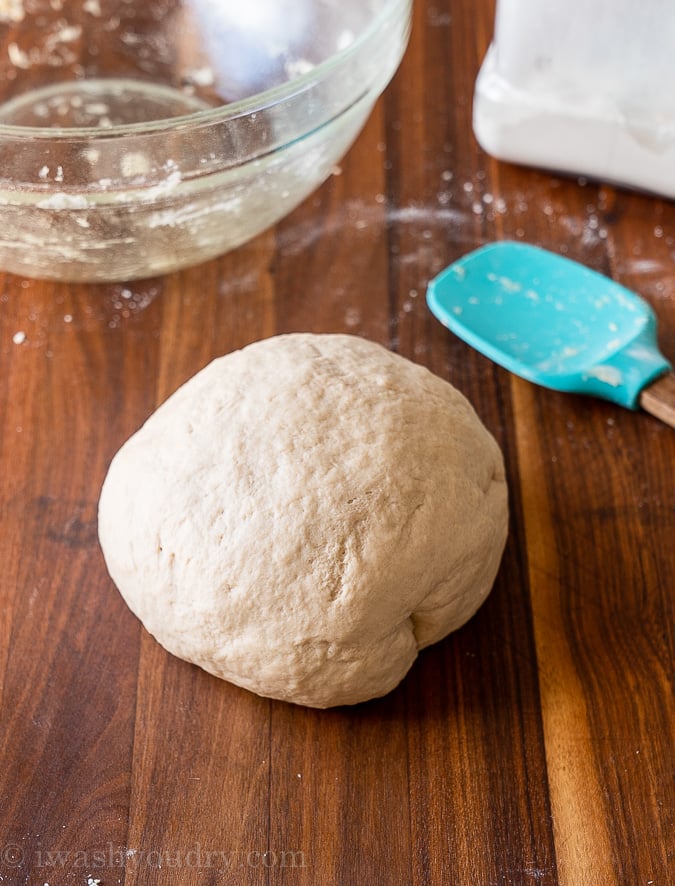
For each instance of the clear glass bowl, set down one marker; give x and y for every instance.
(141, 136)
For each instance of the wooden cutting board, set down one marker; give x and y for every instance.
(534, 746)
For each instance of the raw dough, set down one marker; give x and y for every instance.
(304, 515)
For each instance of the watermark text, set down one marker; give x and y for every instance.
(13, 855)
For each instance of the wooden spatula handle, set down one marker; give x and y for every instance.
(658, 398)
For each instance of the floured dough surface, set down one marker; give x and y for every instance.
(304, 515)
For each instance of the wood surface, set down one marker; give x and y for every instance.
(533, 746)
(658, 398)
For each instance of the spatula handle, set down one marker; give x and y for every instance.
(658, 398)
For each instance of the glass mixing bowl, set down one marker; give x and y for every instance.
(141, 136)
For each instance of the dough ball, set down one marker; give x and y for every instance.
(304, 515)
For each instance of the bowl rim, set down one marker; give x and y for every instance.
(244, 107)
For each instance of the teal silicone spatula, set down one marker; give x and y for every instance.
(556, 323)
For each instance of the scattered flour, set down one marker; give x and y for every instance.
(17, 56)
(134, 163)
(200, 76)
(61, 201)
(12, 11)
(297, 67)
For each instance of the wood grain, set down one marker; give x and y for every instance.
(533, 746)
(658, 398)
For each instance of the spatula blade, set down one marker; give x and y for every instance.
(550, 320)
